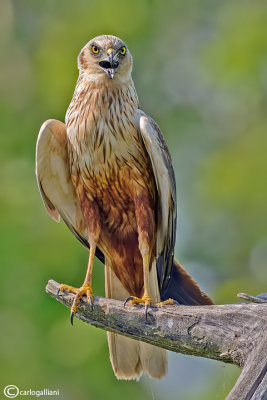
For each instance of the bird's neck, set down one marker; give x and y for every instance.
(101, 119)
(102, 102)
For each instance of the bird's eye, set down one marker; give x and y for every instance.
(123, 51)
(95, 49)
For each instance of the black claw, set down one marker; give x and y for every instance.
(128, 299)
(146, 310)
(71, 317)
(91, 303)
(58, 291)
(175, 302)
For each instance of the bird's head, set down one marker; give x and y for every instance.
(105, 58)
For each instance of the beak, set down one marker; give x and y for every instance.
(110, 66)
(111, 54)
(111, 71)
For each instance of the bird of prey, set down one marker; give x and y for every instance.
(107, 173)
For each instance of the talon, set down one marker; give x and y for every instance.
(146, 310)
(146, 300)
(128, 299)
(73, 312)
(71, 317)
(61, 289)
(175, 303)
(79, 292)
(90, 301)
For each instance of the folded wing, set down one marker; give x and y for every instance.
(166, 194)
(54, 180)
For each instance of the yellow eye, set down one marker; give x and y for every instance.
(123, 51)
(95, 49)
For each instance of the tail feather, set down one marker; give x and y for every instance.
(129, 357)
(124, 356)
(184, 289)
(154, 361)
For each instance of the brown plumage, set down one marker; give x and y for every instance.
(107, 172)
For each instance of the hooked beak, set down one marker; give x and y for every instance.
(111, 65)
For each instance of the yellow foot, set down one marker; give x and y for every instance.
(79, 292)
(170, 302)
(147, 301)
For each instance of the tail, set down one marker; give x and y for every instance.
(129, 357)
(184, 289)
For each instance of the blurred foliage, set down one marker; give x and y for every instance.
(200, 70)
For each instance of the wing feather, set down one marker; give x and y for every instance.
(54, 180)
(166, 194)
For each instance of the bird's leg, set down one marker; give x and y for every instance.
(92, 218)
(145, 219)
(85, 289)
(146, 236)
(146, 298)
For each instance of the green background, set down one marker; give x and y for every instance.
(200, 69)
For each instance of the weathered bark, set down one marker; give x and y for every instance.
(232, 333)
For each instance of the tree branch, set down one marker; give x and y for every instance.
(232, 333)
